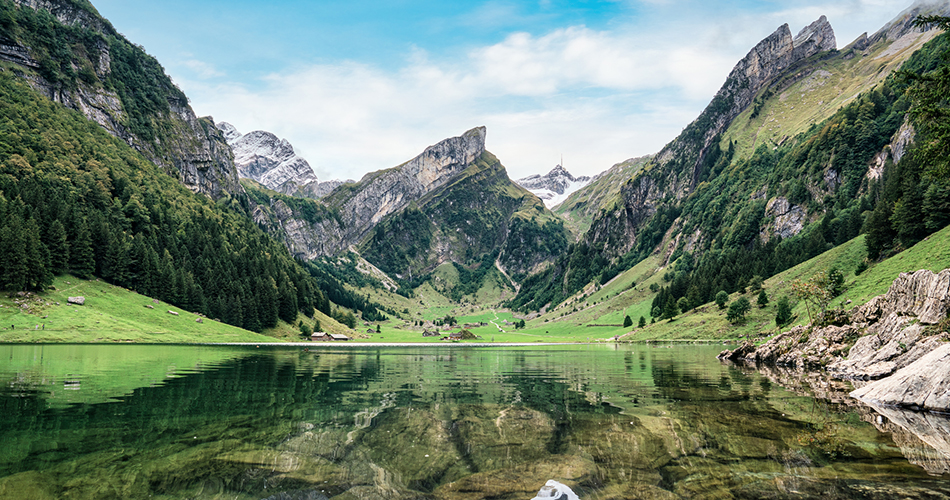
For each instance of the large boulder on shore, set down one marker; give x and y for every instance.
(924, 384)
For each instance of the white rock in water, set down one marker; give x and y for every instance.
(555, 490)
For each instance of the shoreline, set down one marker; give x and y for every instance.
(375, 344)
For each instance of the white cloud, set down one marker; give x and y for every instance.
(202, 69)
(578, 92)
(598, 97)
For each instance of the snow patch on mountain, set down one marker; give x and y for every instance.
(555, 186)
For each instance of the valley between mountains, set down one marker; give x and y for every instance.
(815, 176)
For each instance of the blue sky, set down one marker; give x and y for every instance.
(363, 85)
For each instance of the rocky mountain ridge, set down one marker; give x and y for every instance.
(271, 161)
(683, 163)
(452, 203)
(763, 160)
(378, 194)
(167, 132)
(555, 186)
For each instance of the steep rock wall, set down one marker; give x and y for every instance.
(186, 147)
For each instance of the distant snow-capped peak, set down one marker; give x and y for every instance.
(272, 161)
(555, 186)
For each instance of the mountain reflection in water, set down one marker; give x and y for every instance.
(443, 423)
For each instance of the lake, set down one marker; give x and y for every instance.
(448, 422)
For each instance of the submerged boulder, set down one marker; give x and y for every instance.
(555, 491)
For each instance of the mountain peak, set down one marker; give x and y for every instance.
(443, 160)
(270, 160)
(904, 22)
(231, 133)
(554, 186)
(816, 37)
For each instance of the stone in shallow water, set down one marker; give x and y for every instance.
(298, 495)
(924, 383)
(519, 482)
(556, 491)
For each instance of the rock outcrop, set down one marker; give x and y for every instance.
(903, 24)
(184, 145)
(785, 219)
(308, 237)
(681, 165)
(271, 161)
(900, 335)
(555, 186)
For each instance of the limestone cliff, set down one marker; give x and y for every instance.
(114, 83)
(478, 219)
(682, 163)
(363, 204)
(452, 203)
(769, 59)
(308, 229)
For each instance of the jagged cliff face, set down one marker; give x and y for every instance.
(378, 194)
(271, 161)
(306, 238)
(184, 145)
(681, 165)
(555, 186)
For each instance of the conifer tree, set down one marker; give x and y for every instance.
(82, 262)
(670, 311)
(287, 300)
(38, 276)
(58, 247)
(784, 313)
(12, 255)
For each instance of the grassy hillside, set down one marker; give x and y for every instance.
(110, 314)
(709, 322)
(790, 106)
(582, 206)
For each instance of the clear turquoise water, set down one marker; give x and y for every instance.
(128, 421)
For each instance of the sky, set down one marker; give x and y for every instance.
(362, 85)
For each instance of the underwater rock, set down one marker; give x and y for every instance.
(519, 482)
(298, 495)
(556, 491)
